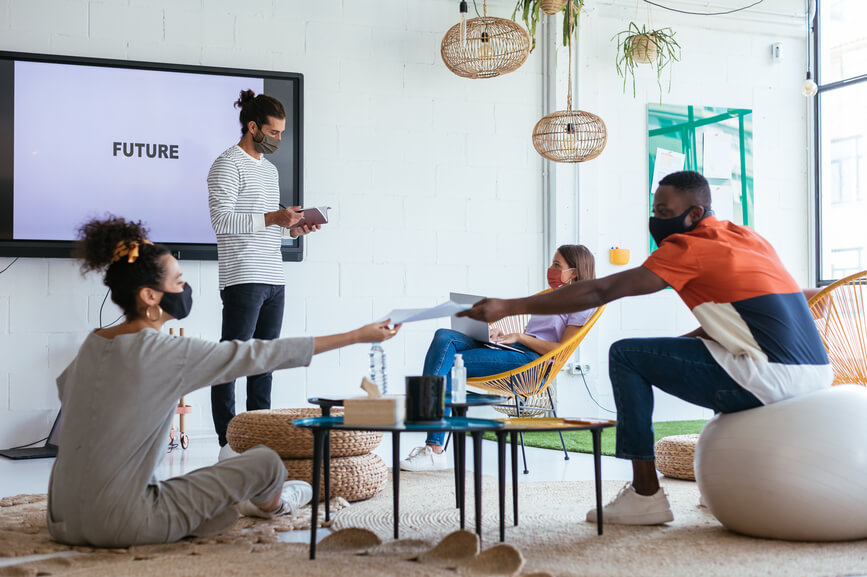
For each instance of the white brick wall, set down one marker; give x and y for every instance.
(433, 179)
(387, 137)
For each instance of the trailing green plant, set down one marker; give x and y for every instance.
(531, 11)
(639, 45)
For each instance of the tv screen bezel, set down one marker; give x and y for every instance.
(187, 251)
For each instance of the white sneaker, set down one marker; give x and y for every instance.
(424, 459)
(630, 508)
(295, 495)
(226, 452)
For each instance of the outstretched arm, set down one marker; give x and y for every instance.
(578, 296)
(372, 333)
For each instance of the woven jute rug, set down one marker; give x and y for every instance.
(552, 538)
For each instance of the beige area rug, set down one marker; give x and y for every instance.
(552, 538)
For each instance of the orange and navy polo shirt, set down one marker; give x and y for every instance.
(734, 283)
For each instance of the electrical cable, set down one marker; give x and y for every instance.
(704, 13)
(112, 323)
(10, 264)
(586, 386)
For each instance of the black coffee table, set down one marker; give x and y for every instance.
(460, 446)
(458, 426)
(515, 426)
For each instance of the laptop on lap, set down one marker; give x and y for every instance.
(48, 450)
(472, 328)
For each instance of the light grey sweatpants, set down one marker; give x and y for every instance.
(118, 398)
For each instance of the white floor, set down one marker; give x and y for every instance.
(18, 477)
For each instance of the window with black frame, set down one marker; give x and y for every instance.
(841, 136)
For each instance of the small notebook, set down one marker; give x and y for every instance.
(314, 215)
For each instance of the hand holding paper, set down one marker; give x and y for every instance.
(446, 309)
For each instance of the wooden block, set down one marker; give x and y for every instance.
(387, 410)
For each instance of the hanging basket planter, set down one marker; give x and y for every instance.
(644, 48)
(551, 7)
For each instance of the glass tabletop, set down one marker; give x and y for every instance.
(453, 424)
(478, 400)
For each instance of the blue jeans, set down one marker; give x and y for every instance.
(250, 311)
(682, 367)
(479, 360)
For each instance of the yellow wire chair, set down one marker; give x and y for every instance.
(839, 311)
(529, 385)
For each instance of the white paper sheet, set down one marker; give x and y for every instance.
(446, 309)
(716, 154)
(667, 161)
(723, 201)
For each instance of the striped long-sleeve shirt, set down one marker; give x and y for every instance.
(241, 189)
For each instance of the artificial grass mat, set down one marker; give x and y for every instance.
(582, 441)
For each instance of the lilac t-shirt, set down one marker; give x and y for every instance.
(550, 327)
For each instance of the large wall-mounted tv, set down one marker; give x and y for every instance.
(83, 137)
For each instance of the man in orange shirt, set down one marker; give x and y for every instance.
(757, 343)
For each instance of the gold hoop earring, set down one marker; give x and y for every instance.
(159, 314)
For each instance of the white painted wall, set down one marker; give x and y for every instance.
(433, 178)
(726, 62)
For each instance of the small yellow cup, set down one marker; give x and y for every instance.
(619, 255)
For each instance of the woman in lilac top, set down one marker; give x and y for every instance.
(542, 335)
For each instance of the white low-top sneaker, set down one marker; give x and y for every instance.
(295, 494)
(424, 459)
(226, 452)
(630, 508)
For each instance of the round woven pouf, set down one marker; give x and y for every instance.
(353, 478)
(273, 428)
(675, 456)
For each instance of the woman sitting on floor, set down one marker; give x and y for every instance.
(119, 396)
(543, 334)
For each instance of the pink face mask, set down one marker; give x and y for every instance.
(555, 277)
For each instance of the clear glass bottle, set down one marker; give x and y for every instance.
(377, 367)
(459, 380)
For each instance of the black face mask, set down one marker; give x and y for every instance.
(661, 228)
(178, 304)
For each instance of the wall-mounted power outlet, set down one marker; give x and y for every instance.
(777, 51)
(577, 368)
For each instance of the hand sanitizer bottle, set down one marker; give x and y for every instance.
(459, 380)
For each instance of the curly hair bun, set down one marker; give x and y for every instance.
(98, 238)
(246, 96)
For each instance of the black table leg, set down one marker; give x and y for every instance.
(477, 479)
(460, 446)
(459, 412)
(326, 464)
(395, 465)
(501, 481)
(597, 466)
(514, 436)
(318, 445)
(326, 412)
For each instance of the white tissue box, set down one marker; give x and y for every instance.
(383, 411)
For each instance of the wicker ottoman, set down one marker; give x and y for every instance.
(675, 456)
(273, 428)
(353, 478)
(356, 473)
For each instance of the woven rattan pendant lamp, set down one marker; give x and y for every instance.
(570, 135)
(484, 47)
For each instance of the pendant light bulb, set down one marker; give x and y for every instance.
(486, 51)
(809, 88)
(464, 10)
